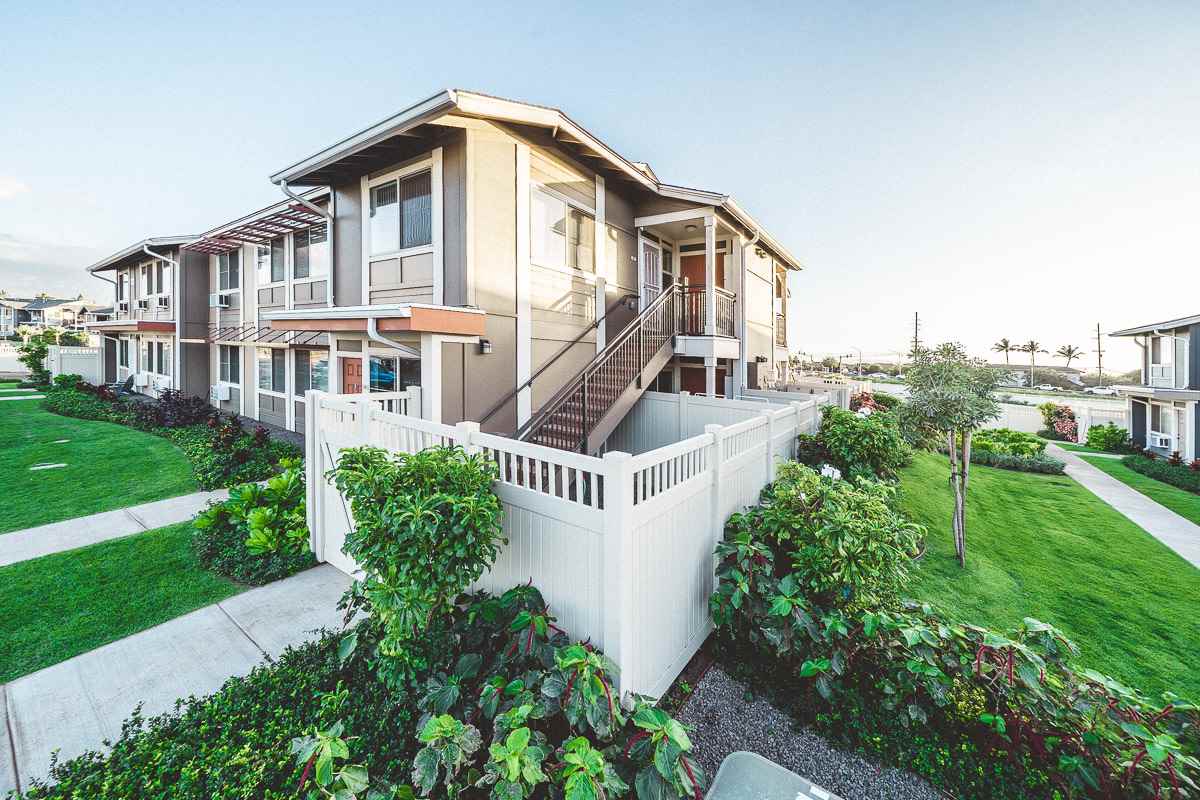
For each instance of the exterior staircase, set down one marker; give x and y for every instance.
(585, 411)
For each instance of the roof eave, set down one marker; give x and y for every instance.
(1165, 325)
(158, 241)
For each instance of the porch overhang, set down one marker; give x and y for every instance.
(262, 226)
(131, 326)
(394, 318)
(1158, 393)
(708, 347)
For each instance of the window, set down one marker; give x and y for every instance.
(561, 235)
(312, 370)
(271, 369)
(311, 253)
(146, 288)
(402, 214)
(262, 264)
(394, 374)
(230, 369)
(123, 353)
(122, 286)
(277, 258)
(158, 274)
(227, 270)
(162, 357)
(668, 279)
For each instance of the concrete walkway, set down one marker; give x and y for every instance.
(1176, 532)
(82, 531)
(75, 705)
(24, 397)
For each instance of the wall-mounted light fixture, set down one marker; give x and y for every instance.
(760, 359)
(758, 251)
(485, 347)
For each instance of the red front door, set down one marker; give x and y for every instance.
(351, 375)
(692, 268)
(694, 380)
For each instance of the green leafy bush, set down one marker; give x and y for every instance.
(73, 402)
(1017, 697)
(1008, 442)
(1043, 464)
(1059, 421)
(427, 525)
(865, 446)
(1178, 475)
(32, 354)
(1109, 438)
(259, 534)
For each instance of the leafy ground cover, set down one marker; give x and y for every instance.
(108, 466)
(64, 604)
(1043, 546)
(1185, 504)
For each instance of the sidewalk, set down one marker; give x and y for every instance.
(1179, 534)
(81, 531)
(75, 705)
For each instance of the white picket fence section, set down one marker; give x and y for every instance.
(1088, 417)
(620, 546)
(86, 362)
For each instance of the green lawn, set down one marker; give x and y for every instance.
(108, 466)
(1183, 503)
(61, 605)
(1044, 546)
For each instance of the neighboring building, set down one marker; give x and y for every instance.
(158, 330)
(39, 313)
(486, 250)
(1164, 407)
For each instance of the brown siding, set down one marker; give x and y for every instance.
(347, 242)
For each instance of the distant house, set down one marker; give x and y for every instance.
(1164, 406)
(40, 313)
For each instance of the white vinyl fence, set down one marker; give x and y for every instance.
(1029, 418)
(620, 546)
(86, 362)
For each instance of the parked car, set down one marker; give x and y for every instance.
(1103, 390)
(1046, 387)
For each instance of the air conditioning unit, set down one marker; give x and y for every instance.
(123, 306)
(141, 379)
(143, 304)
(218, 392)
(164, 302)
(218, 300)
(1159, 440)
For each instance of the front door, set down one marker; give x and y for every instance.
(694, 380)
(692, 268)
(352, 375)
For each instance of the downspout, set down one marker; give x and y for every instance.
(176, 278)
(327, 213)
(742, 329)
(103, 337)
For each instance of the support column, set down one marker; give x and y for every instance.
(524, 311)
(431, 377)
(601, 306)
(710, 282)
(710, 376)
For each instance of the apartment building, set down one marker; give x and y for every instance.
(1163, 409)
(494, 253)
(40, 313)
(157, 332)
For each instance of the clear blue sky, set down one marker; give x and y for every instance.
(1007, 169)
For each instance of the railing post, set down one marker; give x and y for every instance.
(714, 467)
(618, 570)
(770, 446)
(467, 433)
(413, 404)
(314, 472)
(364, 418)
(683, 416)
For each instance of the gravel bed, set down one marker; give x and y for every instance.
(725, 721)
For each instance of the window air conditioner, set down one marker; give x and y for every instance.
(164, 302)
(143, 304)
(141, 379)
(218, 392)
(1159, 440)
(218, 300)
(123, 306)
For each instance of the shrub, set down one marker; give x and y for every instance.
(260, 533)
(867, 446)
(1178, 475)
(1059, 421)
(224, 454)
(174, 409)
(1008, 442)
(1016, 695)
(1039, 463)
(844, 542)
(886, 402)
(860, 400)
(1109, 438)
(32, 354)
(427, 525)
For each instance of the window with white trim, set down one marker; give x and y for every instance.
(561, 236)
(123, 353)
(390, 374)
(162, 357)
(227, 270)
(230, 364)
(272, 370)
(270, 261)
(401, 214)
(312, 370)
(310, 252)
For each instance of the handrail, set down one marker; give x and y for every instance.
(599, 361)
(591, 327)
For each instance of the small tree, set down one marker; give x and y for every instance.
(32, 353)
(951, 393)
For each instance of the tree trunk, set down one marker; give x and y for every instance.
(962, 512)
(955, 482)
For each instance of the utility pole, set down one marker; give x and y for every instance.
(1099, 355)
(916, 342)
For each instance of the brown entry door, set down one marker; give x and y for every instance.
(692, 379)
(692, 268)
(351, 375)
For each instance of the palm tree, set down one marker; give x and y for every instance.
(1070, 352)
(1004, 346)
(1033, 347)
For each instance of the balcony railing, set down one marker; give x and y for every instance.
(694, 310)
(780, 330)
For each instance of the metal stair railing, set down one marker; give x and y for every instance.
(569, 417)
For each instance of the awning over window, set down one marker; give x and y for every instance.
(131, 326)
(261, 230)
(250, 333)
